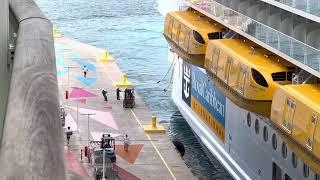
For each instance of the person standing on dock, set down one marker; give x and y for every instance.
(68, 134)
(85, 71)
(118, 93)
(104, 94)
(126, 143)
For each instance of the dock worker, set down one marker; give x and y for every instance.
(118, 93)
(126, 143)
(104, 94)
(85, 71)
(68, 134)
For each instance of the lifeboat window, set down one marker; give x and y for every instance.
(294, 160)
(305, 170)
(242, 78)
(175, 31)
(284, 150)
(256, 126)
(258, 78)
(249, 119)
(274, 141)
(182, 36)
(170, 27)
(215, 59)
(279, 76)
(215, 35)
(197, 36)
(265, 133)
(227, 68)
(187, 37)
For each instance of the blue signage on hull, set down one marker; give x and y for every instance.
(186, 83)
(207, 94)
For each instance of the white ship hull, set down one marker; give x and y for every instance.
(243, 152)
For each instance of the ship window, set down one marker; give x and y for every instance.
(276, 172)
(249, 119)
(274, 141)
(287, 177)
(215, 35)
(284, 150)
(305, 170)
(256, 126)
(197, 36)
(265, 133)
(316, 177)
(294, 160)
(258, 78)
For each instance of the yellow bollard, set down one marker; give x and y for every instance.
(123, 82)
(124, 78)
(105, 57)
(154, 127)
(55, 33)
(154, 121)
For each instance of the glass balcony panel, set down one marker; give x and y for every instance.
(271, 37)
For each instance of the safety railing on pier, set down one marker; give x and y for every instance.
(297, 52)
(32, 143)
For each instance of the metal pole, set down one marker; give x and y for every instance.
(103, 166)
(77, 116)
(88, 114)
(88, 130)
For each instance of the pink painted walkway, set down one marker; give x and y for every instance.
(105, 118)
(74, 165)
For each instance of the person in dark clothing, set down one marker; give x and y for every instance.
(68, 134)
(118, 93)
(104, 94)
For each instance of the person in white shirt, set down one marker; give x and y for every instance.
(68, 133)
(126, 142)
(85, 71)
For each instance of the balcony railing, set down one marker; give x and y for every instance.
(309, 6)
(299, 53)
(32, 144)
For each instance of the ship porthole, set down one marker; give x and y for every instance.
(284, 150)
(305, 170)
(294, 160)
(274, 141)
(256, 126)
(265, 133)
(249, 119)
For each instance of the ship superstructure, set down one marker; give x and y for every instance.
(246, 79)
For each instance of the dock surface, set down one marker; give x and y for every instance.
(150, 156)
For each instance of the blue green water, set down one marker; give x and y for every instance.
(131, 30)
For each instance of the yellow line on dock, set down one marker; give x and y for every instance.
(154, 146)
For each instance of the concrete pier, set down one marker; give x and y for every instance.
(150, 156)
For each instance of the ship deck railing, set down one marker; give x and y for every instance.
(297, 52)
(32, 143)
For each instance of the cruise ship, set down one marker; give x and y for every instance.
(246, 79)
